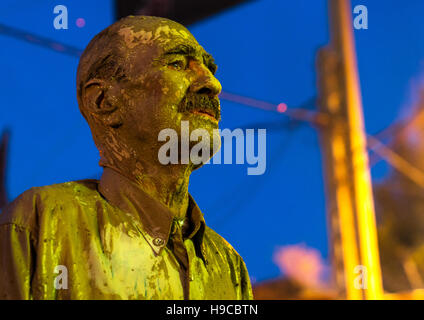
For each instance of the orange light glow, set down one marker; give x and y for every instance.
(301, 263)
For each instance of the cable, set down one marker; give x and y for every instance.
(40, 41)
(246, 183)
(394, 130)
(398, 162)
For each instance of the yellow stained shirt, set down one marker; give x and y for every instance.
(107, 239)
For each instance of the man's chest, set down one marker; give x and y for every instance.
(120, 264)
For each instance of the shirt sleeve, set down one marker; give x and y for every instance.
(16, 248)
(15, 262)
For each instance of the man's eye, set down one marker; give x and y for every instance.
(213, 68)
(177, 65)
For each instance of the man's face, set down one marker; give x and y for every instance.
(171, 79)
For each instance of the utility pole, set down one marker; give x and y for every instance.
(350, 205)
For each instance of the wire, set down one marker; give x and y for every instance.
(398, 162)
(394, 130)
(249, 184)
(40, 41)
(238, 203)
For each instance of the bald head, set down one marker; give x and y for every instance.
(107, 55)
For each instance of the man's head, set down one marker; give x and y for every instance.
(142, 75)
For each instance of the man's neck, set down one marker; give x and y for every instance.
(167, 184)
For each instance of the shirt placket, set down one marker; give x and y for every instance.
(176, 244)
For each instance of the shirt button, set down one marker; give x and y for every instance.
(158, 242)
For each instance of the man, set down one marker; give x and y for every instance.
(136, 233)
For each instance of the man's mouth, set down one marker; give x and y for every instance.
(201, 105)
(207, 113)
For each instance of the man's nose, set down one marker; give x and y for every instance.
(204, 81)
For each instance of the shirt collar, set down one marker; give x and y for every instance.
(156, 219)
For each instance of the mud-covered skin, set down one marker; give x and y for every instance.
(159, 64)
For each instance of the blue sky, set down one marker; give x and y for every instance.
(265, 50)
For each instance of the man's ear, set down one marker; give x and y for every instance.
(96, 101)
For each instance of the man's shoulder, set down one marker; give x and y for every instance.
(220, 241)
(25, 209)
(63, 192)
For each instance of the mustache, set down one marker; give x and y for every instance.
(201, 102)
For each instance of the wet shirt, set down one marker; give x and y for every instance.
(107, 239)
